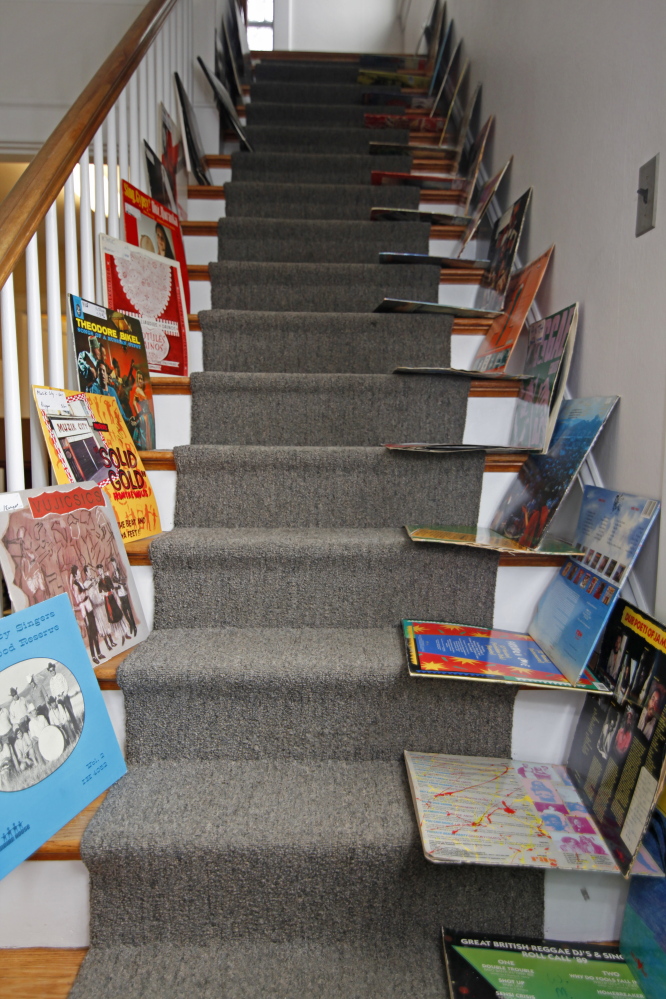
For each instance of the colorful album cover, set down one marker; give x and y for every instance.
(456, 651)
(643, 937)
(504, 246)
(539, 817)
(495, 350)
(151, 226)
(617, 756)
(454, 97)
(65, 539)
(88, 441)
(550, 344)
(524, 514)
(486, 966)
(194, 151)
(111, 360)
(463, 129)
(58, 750)
(173, 160)
(544, 480)
(440, 55)
(148, 286)
(573, 611)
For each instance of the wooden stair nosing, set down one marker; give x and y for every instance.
(448, 275)
(43, 972)
(205, 227)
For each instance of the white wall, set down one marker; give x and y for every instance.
(49, 50)
(342, 26)
(578, 92)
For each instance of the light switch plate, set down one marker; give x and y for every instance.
(646, 211)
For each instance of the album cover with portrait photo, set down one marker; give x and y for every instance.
(153, 227)
(58, 750)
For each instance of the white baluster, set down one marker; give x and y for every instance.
(53, 305)
(134, 140)
(15, 476)
(38, 459)
(143, 120)
(158, 49)
(87, 258)
(100, 220)
(151, 135)
(123, 138)
(112, 172)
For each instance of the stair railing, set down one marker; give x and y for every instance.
(114, 113)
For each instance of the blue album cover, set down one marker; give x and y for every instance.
(58, 750)
(573, 611)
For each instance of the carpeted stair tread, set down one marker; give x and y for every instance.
(330, 139)
(300, 693)
(352, 342)
(261, 969)
(311, 241)
(316, 578)
(326, 410)
(324, 71)
(313, 201)
(318, 287)
(313, 168)
(318, 115)
(286, 92)
(317, 849)
(230, 486)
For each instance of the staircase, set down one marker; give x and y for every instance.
(264, 842)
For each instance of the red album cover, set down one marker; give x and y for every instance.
(148, 287)
(155, 228)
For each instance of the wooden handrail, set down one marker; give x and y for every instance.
(35, 191)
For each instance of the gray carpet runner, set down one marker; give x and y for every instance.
(287, 486)
(356, 342)
(318, 115)
(324, 241)
(279, 92)
(307, 72)
(313, 201)
(331, 139)
(318, 287)
(313, 168)
(263, 843)
(234, 407)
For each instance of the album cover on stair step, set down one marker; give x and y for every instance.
(173, 160)
(495, 272)
(226, 105)
(550, 344)
(486, 966)
(150, 225)
(494, 352)
(65, 539)
(87, 441)
(111, 360)
(588, 815)
(573, 611)
(149, 287)
(439, 650)
(387, 78)
(472, 223)
(194, 151)
(58, 750)
(523, 517)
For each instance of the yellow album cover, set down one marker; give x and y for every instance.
(88, 441)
